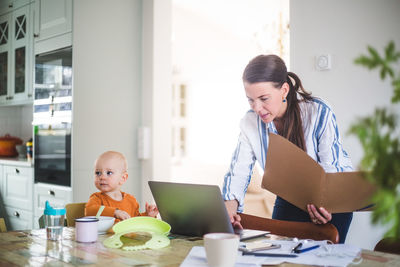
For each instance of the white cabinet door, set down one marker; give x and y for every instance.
(5, 56)
(17, 193)
(18, 187)
(5, 6)
(16, 56)
(52, 25)
(22, 54)
(19, 219)
(10, 5)
(57, 196)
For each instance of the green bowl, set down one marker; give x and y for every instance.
(142, 224)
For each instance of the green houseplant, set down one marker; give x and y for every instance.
(380, 140)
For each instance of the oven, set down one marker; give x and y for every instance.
(52, 152)
(52, 115)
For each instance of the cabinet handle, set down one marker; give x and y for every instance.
(51, 193)
(17, 171)
(16, 214)
(35, 35)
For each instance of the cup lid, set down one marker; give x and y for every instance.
(49, 210)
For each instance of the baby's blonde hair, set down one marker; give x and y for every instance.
(117, 155)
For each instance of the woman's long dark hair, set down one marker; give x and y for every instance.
(271, 68)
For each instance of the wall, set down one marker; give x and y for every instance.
(344, 29)
(107, 86)
(156, 92)
(16, 121)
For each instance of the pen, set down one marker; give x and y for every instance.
(278, 255)
(306, 249)
(297, 247)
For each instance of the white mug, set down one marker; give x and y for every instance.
(221, 249)
(86, 229)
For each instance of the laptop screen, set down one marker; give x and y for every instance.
(191, 209)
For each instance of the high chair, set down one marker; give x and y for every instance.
(388, 245)
(3, 227)
(74, 210)
(303, 230)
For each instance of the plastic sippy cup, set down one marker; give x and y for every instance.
(54, 221)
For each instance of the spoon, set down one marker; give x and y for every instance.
(100, 211)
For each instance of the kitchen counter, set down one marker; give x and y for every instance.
(15, 161)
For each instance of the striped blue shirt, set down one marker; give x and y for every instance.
(321, 135)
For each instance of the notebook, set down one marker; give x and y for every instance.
(194, 209)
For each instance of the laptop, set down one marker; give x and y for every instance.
(195, 209)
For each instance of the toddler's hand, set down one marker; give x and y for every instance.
(122, 215)
(151, 210)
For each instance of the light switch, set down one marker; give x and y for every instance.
(323, 62)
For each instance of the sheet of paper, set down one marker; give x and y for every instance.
(197, 258)
(325, 255)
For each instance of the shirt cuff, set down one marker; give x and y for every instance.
(240, 200)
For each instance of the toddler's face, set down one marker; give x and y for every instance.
(109, 173)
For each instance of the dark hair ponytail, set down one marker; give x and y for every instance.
(271, 68)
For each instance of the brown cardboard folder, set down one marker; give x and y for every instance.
(294, 176)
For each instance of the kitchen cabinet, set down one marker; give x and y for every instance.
(58, 196)
(18, 186)
(16, 56)
(10, 5)
(17, 193)
(20, 219)
(52, 25)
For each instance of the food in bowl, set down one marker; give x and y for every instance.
(104, 223)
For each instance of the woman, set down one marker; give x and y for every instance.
(280, 105)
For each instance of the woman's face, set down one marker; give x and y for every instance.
(267, 100)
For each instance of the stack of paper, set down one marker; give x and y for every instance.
(324, 255)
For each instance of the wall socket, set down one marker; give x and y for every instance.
(323, 62)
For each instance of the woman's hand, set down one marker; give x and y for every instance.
(231, 207)
(318, 216)
(121, 214)
(151, 210)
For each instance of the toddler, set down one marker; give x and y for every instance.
(110, 173)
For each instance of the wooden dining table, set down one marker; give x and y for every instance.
(31, 248)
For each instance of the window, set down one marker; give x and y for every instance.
(179, 117)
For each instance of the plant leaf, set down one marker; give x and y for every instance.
(396, 90)
(378, 135)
